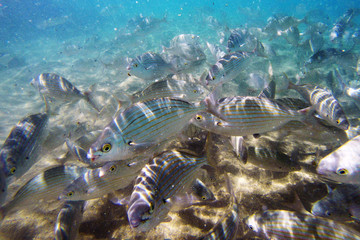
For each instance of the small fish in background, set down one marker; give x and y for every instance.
(216, 51)
(343, 22)
(142, 126)
(149, 66)
(45, 186)
(316, 42)
(353, 93)
(341, 203)
(356, 36)
(53, 87)
(242, 40)
(342, 165)
(22, 147)
(228, 226)
(281, 23)
(330, 56)
(282, 224)
(68, 220)
(159, 181)
(325, 104)
(291, 35)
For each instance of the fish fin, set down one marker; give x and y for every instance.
(209, 155)
(297, 205)
(268, 91)
(239, 148)
(211, 103)
(90, 98)
(123, 201)
(141, 146)
(77, 151)
(341, 81)
(355, 211)
(167, 219)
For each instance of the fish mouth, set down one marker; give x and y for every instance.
(91, 156)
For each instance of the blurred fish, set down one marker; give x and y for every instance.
(276, 23)
(149, 66)
(77, 151)
(353, 93)
(53, 87)
(246, 115)
(181, 64)
(142, 24)
(227, 227)
(199, 189)
(170, 87)
(95, 183)
(325, 104)
(22, 147)
(341, 204)
(45, 186)
(342, 165)
(330, 56)
(68, 220)
(164, 177)
(282, 224)
(316, 42)
(227, 68)
(142, 126)
(356, 36)
(216, 51)
(242, 40)
(338, 30)
(291, 35)
(53, 22)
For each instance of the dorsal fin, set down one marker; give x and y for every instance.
(268, 91)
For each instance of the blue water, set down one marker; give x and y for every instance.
(90, 41)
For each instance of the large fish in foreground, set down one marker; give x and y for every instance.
(342, 165)
(53, 87)
(283, 225)
(141, 127)
(325, 104)
(21, 148)
(166, 175)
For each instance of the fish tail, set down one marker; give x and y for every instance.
(90, 98)
(341, 81)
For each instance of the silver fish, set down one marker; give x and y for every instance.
(53, 87)
(246, 115)
(316, 42)
(186, 46)
(281, 224)
(228, 67)
(164, 177)
(45, 186)
(342, 165)
(325, 104)
(68, 220)
(291, 35)
(199, 189)
(149, 66)
(95, 183)
(276, 23)
(22, 146)
(341, 204)
(141, 127)
(339, 28)
(241, 40)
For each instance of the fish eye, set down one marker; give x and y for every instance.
(203, 198)
(135, 65)
(219, 123)
(342, 171)
(251, 227)
(199, 117)
(106, 147)
(328, 213)
(338, 122)
(13, 170)
(151, 210)
(70, 194)
(112, 168)
(130, 143)
(195, 91)
(213, 78)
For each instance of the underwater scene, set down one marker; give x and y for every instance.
(203, 119)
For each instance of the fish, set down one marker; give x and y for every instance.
(241, 40)
(276, 23)
(341, 204)
(77, 151)
(227, 227)
(282, 224)
(149, 66)
(162, 178)
(45, 186)
(95, 183)
(68, 220)
(329, 56)
(170, 87)
(356, 37)
(353, 93)
(246, 115)
(199, 189)
(316, 42)
(22, 147)
(141, 127)
(325, 104)
(291, 35)
(342, 165)
(338, 30)
(228, 67)
(53, 87)
(216, 51)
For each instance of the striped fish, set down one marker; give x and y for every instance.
(45, 186)
(68, 220)
(246, 115)
(284, 225)
(228, 67)
(53, 87)
(343, 22)
(95, 183)
(227, 227)
(170, 87)
(149, 66)
(325, 104)
(21, 148)
(165, 176)
(140, 127)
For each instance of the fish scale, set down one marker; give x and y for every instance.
(142, 126)
(160, 180)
